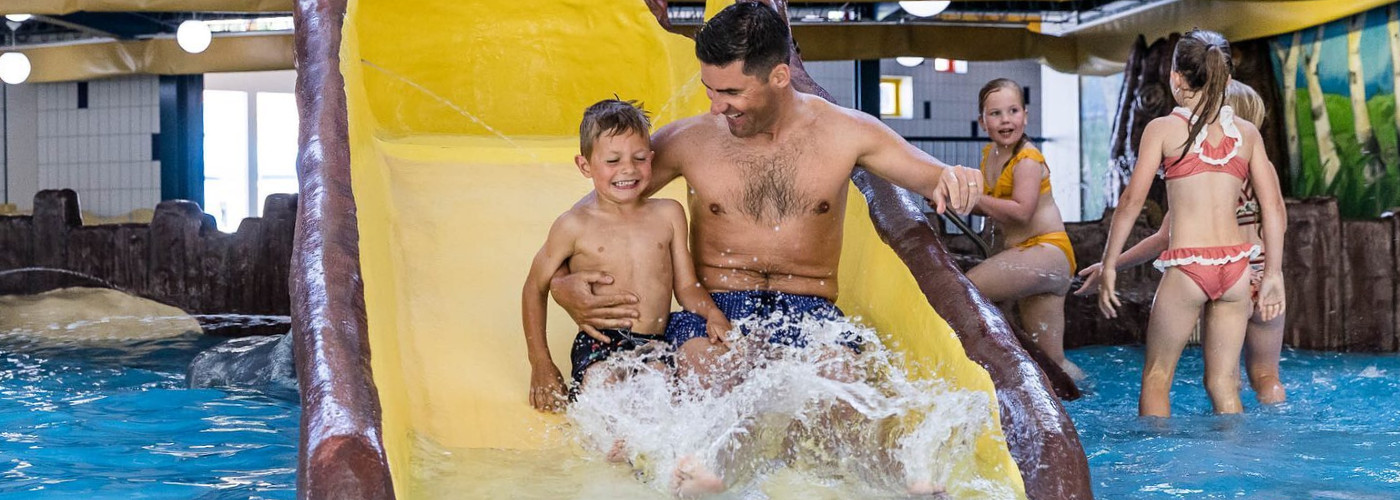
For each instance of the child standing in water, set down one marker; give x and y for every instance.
(1037, 262)
(1207, 155)
(639, 242)
(1263, 338)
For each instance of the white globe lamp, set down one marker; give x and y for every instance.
(193, 36)
(14, 68)
(924, 9)
(909, 62)
(19, 18)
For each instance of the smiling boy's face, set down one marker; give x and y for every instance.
(620, 166)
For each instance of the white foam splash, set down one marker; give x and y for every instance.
(858, 420)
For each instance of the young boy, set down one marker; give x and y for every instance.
(640, 242)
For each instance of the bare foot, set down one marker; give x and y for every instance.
(691, 479)
(924, 488)
(618, 453)
(1073, 370)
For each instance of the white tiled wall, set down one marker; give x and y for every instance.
(952, 99)
(102, 151)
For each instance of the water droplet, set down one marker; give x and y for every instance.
(775, 228)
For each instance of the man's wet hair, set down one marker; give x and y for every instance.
(746, 31)
(612, 117)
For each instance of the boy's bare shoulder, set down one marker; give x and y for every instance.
(573, 221)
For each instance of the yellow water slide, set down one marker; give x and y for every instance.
(462, 123)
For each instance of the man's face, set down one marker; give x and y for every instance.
(747, 102)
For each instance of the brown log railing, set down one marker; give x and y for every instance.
(179, 259)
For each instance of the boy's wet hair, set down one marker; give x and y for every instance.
(612, 117)
(746, 31)
(1246, 102)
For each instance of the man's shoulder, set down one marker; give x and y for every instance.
(684, 129)
(831, 114)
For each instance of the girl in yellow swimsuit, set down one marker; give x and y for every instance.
(1036, 261)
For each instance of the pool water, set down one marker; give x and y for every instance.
(114, 420)
(1337, 436)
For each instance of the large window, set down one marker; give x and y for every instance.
(250, 148)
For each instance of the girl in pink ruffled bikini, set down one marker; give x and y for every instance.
(1206, 155)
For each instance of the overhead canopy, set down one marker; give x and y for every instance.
(57, 7)
(158, 56)
(1099, 46)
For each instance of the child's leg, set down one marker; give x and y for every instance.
(1263, 342)
(702, 362)
(1226, 318)
(1174, 312)
(1021, 272)
(595, 377)
(1043, 318)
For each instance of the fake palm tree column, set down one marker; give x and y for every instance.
(1327, 151)
(1289, 59)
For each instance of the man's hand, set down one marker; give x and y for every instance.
(958, 189)
(547, 388)
(574, 292)
(1271, 297)
(1091, 280)
(659, 9)
(1108, 298)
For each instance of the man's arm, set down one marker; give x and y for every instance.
(888, 155)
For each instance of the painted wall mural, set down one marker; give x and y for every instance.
(1341, 122)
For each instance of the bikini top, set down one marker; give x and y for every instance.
(1202, 157)
(1003, 187)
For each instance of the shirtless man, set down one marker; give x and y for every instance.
(769, 168)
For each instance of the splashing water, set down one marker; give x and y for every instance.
(854, 422)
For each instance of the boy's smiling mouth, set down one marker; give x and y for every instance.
(628, 184)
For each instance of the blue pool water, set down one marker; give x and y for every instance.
(1337, 437)
(116, 422)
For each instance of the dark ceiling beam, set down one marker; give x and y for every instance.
(81, 28)
(120, 25)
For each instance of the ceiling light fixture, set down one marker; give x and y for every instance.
(909, 62)
(19, 18)
(193, 36)
(14, 68)
(924, 9)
